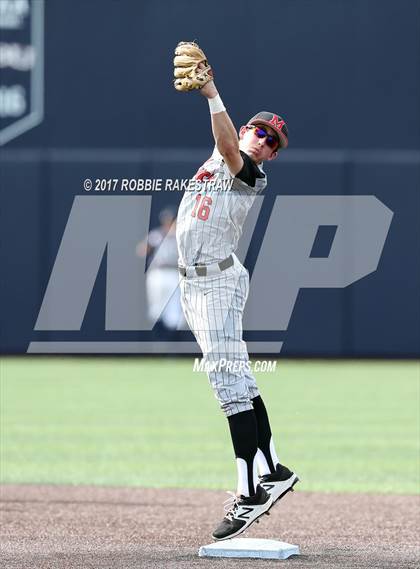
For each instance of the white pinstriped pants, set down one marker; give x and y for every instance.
(213, 307)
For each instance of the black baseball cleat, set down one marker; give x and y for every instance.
(279, 482)
(242, 512)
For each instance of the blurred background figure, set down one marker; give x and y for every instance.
(162, 277)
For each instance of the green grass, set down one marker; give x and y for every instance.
(343, 426)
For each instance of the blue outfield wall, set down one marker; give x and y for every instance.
(378, 315)
(344, 74)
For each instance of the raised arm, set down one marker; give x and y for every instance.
(224, 132)
(192, 71)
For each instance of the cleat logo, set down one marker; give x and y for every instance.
(268, 487)
(245, 511)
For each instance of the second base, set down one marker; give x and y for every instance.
(252, 548)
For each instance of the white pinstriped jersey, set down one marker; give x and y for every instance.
(213, 211)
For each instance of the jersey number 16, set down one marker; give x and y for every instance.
(202, 210)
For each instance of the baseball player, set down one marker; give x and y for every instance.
(164, 306)
(214, 285)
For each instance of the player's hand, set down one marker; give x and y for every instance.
(209, 90)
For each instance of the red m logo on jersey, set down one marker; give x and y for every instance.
(203, 175)
(277, 122)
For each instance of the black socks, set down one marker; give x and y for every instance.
(243, 430)
(264, 431)
(252, 441)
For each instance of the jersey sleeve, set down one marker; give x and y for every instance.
(249, 172)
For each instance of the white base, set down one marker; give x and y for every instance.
(245, 547)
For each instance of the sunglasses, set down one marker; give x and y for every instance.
(271, 141)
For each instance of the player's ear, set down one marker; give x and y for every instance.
(273, 155)
(242, 132)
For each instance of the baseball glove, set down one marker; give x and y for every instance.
(192, 70)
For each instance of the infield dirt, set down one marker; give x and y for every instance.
(69, 527)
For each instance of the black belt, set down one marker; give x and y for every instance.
(201, 270)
